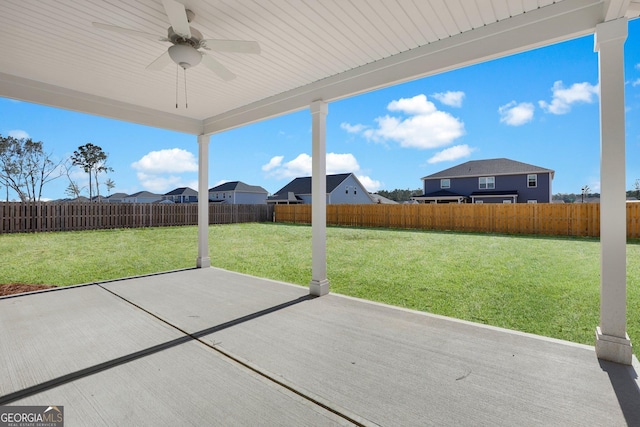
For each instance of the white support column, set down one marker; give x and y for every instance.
(319, 284)
(612, 341)
(203, 260)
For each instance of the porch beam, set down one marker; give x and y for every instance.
(612, 341)
(203, 260)
(319, 283)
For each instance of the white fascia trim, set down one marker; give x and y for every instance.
(19, 88)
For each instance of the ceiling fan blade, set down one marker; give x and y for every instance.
(177, 15)
(160, 63)
(240, 46)
(128, 31)
(222, 71)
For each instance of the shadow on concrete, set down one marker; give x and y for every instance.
(91, 370)
(624, 380)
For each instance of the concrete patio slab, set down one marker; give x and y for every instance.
(400, 367)
(188, 384)
(53, 334)
(197, 299)
(213, 347)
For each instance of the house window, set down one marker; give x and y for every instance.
(532, 201)
(506, 202)
(532, 180)
(445, 183)
(479, 202)
(487, 182)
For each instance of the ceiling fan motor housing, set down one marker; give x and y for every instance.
(185, 55)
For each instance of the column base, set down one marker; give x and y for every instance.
(613, 349)
(319, 288)
(203, 262)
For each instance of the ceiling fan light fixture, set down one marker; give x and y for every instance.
(185, 55)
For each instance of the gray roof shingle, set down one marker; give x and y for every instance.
(238, 186)
(488, 167)
(303, 186)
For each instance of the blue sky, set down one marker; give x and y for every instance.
(538, 107)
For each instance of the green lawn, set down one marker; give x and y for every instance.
(547, 286)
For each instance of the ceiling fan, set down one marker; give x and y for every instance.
(186, 42)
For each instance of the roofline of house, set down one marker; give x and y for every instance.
(431, 177)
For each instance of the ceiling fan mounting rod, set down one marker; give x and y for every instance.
(194, 41)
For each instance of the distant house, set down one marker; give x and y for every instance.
(489, 181)
(342, 188)
(381, 200)
(115, 198)
(238, 193)
(142, 197)
(182, 195)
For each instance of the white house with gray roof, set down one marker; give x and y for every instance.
(344, 188)
(238, 193)
(489, 181)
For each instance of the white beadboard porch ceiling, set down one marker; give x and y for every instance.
(50, 53)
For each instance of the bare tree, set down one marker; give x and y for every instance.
(25, 167)
(73, 190)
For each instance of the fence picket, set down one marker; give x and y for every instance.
(541, 218)
(18, 217)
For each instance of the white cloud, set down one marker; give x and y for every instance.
(371, 185)
(336, 163)
(341, 163)
(451, 154)
(352, 128)
(273, 163)
(301, 165)
(18, 134)
(159, 171)
(160, 184)
(563, 98)
(515, 114)
(636, 82)
(450, 98)
(426, 127)
(174, 160)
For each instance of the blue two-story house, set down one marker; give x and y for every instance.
(488, 181)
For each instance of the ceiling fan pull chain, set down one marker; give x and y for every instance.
(186, 103)
(177, 71)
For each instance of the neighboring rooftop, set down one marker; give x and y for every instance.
(303, 186)
(238, 186)
(500, 166)
(182, 191)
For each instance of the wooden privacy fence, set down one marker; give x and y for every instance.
(547, 219)
(51, 216)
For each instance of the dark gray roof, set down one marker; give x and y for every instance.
(182, 191)
(239, 186)
(144, 194)
(488, 167)
(303, 186)
(494, 193)
(441, 193)
(117, 196)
